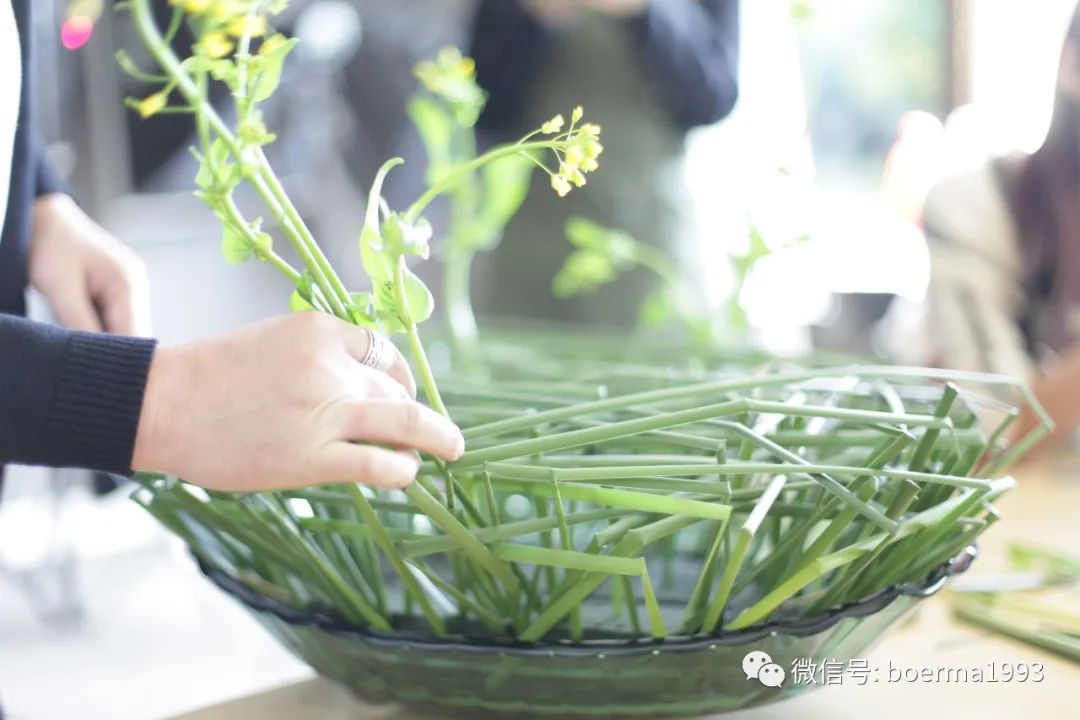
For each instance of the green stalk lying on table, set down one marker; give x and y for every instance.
(782, 493)
(1045, 616)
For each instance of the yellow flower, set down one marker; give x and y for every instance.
(592, 149)
(590, 131)
(560, 184)
(272, 43)
(450, 62)
(215, 44)
(465, 67)
(589, 165)
(224, 10)
(152, 104)
(575, 156)
(253, 25)
(553, 125)
(252, 131)
(576, 116)
(578, 178)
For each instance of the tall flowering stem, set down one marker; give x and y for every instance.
(484, 192)
(235, 45)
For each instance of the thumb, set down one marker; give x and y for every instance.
(74, 308)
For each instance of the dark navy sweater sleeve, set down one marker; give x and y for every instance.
(509, 46)
(46, 178)
(67, 399)
(689, 48)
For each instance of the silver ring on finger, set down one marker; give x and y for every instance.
(378, 355)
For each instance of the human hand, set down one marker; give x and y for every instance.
(92, 281)
(283, 404)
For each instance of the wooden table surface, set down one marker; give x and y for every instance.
(1043, 511)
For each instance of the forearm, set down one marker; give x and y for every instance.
(69, 399)
(691, 51)
(1058, 389)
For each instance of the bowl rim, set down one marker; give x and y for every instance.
(797, 627)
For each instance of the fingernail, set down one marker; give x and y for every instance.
(459, 446)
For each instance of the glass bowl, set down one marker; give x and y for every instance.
(681, 675)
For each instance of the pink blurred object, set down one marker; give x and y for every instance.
(76, 31)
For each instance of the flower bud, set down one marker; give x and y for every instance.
(152, 104)
(553, 125)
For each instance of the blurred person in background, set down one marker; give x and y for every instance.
(1004, 245)
(647, 71)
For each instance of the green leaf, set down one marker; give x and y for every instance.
(419, 301)
(386, 309)
(219, 152)
(301, 299)
(252, 131)
(261, 242)
(205, 178)
(419, 304)
(234, 245)
(377, 264)
(362, 309)
(757, 250)
(401, 237)
(217, 172)
(298, 304)
(505, 184)
(269, 74)
(436, 129)
(584, 271)
(223, 70)
(656, 309)
(371, 215)
(452, 78)
(587, 235)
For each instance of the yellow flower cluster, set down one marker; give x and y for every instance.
(449, 67)
(553, 125)
(451, 78)
(580, 152)
(228, 19)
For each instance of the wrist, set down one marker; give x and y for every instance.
(48, 208)
(167, 382)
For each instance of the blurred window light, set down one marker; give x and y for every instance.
(1013, 57)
